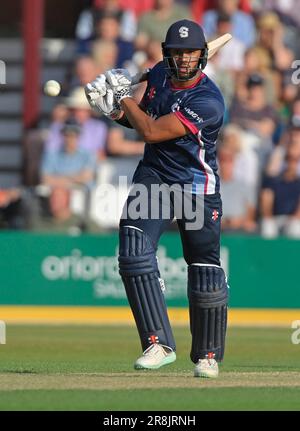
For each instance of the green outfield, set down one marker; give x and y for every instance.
(90, 368)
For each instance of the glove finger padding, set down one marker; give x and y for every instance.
(107, 106)
(99, 84)
(120, 82)
(118, 77)
(91, 94)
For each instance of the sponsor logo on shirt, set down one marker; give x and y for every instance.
(194, 115)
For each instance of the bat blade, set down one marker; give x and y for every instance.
(215, 45)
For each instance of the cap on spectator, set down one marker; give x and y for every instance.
(255, 80)
(71, 125)
(295, 122)
(223, 17)
(77, 99)
(268, 20)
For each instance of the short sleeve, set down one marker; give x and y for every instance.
(49, 163)
(196, 114)
(250, 195)
(269, 182)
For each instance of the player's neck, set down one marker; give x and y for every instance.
(186, 84)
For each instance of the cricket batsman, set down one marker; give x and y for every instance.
(179, 118)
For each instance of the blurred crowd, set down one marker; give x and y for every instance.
(258, 149)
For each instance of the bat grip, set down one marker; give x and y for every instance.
(140, 77)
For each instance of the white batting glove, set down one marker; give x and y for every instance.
(108, 106)
(95, 89)
(101, 98)
(120, 82)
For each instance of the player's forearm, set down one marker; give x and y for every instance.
(141, 122)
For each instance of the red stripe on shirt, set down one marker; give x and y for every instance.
(186, 122)
(204, 170)
(191, 86)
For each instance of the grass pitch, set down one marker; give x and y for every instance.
(91, 368)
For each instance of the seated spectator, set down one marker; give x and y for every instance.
(93, 131)
(255, 116)
(246, 165)
(34, 143)
(62, 171)
(271, 38)
(145, 59)
(70, 164)
(280, 200)
(276, 162)
(105, 55)
(231, 56)
(153, 25)
(85, 28)
(289, 14)
(258, 61)
(288, 10)
(85, 71)
(243, 26)
(238, 197)
(108, 32)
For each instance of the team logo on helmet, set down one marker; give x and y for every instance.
(183, 32)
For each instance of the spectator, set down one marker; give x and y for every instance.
(255, 116)
(61, 218)
(34, 143)
(258, 61)
(108, 32)
(85, 71)
(69, 165)
(231, 56)
(280, 200)
(93, 131)
(86, 24)
(271, 38)
(105, 55)
(289, 14)
(223, 78)
(291, 138)
(287, 10)
(243, 26)
(64, 170)
(238, 197)
(125, 14)
(246, 165)
(154, 24)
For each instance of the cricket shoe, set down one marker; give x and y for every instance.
(155, 357)
(207, 367)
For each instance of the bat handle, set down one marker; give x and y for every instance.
(140, 77)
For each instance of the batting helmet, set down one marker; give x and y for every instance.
(184, 34)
